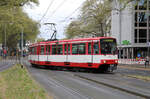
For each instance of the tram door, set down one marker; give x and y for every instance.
(47, 52)
(95, 52)
(38, 53)
(90, 55)
(66, 51)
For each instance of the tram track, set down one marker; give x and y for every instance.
(79, 85)
(68, 90)
(135, 92)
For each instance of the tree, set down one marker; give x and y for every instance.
(94, 15)
(13, 21)
(16, 2)
(95, 18)
(73, 29)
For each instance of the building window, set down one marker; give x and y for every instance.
(141, 19)
(135, 36)
(149, 35)
(142, 4)
(136, 19)
(149, 5)
(142, 35)
(149, 19)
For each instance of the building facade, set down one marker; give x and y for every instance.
(131, 27)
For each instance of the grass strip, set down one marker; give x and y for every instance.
(146, 78)
(16, 83)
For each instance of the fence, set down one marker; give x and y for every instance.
(131, 61)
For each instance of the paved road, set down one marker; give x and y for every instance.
(65, 85)
(132, 71)
(5, 64)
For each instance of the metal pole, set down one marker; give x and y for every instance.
(148, 52)
(21, 45)
(5, 37)
(5, 42)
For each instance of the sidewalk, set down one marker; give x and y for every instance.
(134, 66)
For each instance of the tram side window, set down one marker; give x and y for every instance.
(65, 49)
(35, 50)
(78, 48)
(81, 48)
(47, 49)
(68, 49)
(32, 50)
(54, 51)
(74, 48)
(42, 50)
(89, 48)
(29, 50)
(96, 48)
(59, 49)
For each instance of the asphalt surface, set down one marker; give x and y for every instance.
(133, 70)
(67, 85)
(5, 64)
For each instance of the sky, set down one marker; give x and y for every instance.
(61, 12)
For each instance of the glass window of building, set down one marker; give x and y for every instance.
(142, 21)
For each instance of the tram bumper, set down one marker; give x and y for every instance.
(112, 67)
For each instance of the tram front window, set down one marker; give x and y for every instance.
(108, 46)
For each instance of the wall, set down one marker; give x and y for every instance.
(122, 23)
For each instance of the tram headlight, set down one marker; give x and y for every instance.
(116, 61)
(104, 61)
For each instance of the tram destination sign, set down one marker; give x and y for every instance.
(107, 40)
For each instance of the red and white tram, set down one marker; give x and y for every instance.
(99, 53)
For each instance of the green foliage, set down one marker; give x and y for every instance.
(94, 15)
(16, 83)
(73, 29)
(95, 18)
(13, 21)
(40, 39)
(16, 2)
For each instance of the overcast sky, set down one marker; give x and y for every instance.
(57, 13)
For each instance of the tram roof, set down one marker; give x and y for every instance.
(70, 40)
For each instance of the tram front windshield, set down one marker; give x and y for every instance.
(108, 46)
